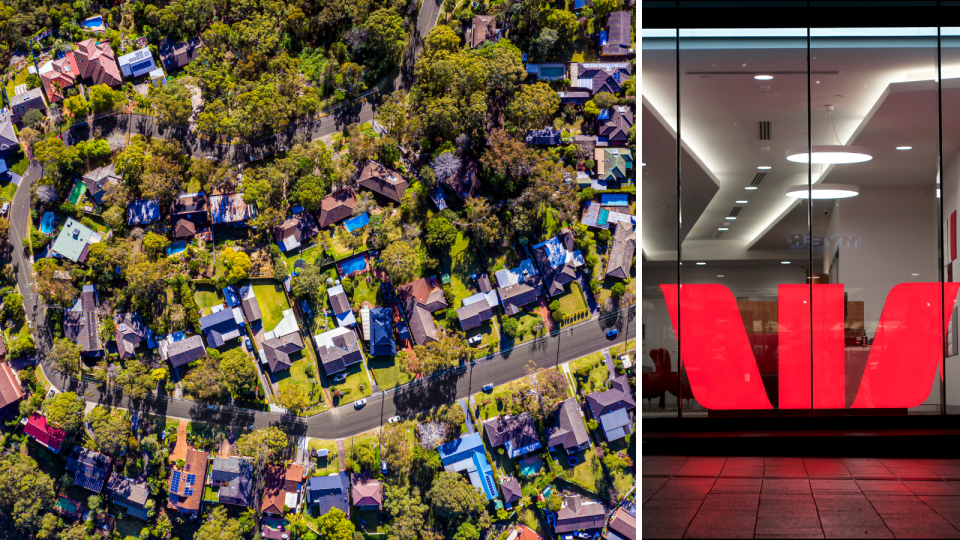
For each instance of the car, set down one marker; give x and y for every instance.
(339, 377)
(582, 534)
(612, 333)
(393, 419)
(475, 339)
(282, 148)
(212, 158)
(360, 403)
(488, 388)
(383, 466)
(246, 341)
(255, 157)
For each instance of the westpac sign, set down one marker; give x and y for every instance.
(907, 351)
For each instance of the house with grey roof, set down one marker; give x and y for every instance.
(568, 431)
(619, 26)
(24, 101)
(130, 333)
(182, 352)
(338, 349)
(129, 494)
(328, 492)
(477, 309)
(81, 323)
(98, 179)
(296, 230)
(341, 306)
(548, 136)
(622, 251)
(517, 434)
(89, 468)
(232, 479)
(518, 286)
(176, 55)
(613, 408)
(248, 300)
(8, 137)
(614, 126)
(73, 242)
(596, 77)
(420, 299)
(579, 513)
(220, 327)
(281, 343)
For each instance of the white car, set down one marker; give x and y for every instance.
(393, 419)
(475, 339)
(339, 377)
(359, 404)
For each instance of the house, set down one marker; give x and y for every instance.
(189, 216)
(98, 179)
(282, 485)
(338, 349)
(596, 77)
(186, 484)
(58, 75)
(622, 525)
(295, 230)
(558, 261)
(282, 342)
(8, 137)
(543, 137)
(81, 323)
(622, 251)
(89, 468)
(231, 296)
(385, 181)
(231, 210)
(482, 28)
(158, 78)
(614, 164)
(232, 479)
(341, 306)
(143, 212)
(129, 494)
(367, 493)
(477, 309)
(130, 333)
(44, 433)
(174, 56)
(181, 353)
(614, 130)
(96, 62)
(568, 431)
(607, 212)
(579, 514)
(466, 183)
(328, 492)
(611, 408)
(11, 391)
(467, 455)
(574, 96)
(518, 286)
(25, 101)
(248, 300)
(517, 434)
(420, 299)
(74, 241)
(220, 327)
(137, 63)
(619, 26)
(511, 491)
(522, 532)
(547, 72)
(337, 207)
(381, 333)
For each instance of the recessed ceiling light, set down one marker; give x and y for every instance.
(914, 274)
(764, 168)
(763, 77)
(784, 262)
(904, 148)
(722, 229)
(719, 275)
(731, 218)
(643, 164)
(750, 187)
(742, 202)
(701, 263)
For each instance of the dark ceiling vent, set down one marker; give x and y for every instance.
(764, 130)
(757, 179)
(719, 234)
(734, 211)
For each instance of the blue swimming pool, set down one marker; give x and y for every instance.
(356, 264)
(93, 22)
(615, 199)
(602, 219)
(176, 247)
(49, 223)
(358, 222)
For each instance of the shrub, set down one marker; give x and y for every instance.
(510, 327)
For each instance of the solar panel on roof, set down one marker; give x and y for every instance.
(191, 479)
(188, 492)
(175, 484)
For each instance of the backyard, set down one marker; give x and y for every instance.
(572, 301)
(350, 387)
(588, 471)
(590, 373)
(387, 372)
(461, 261)
(207, 296)
(325, 465)
(527, 321)
(366, 291)
(272, 300)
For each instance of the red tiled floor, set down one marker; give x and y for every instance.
(833, 486)
(722, 524)
(731, 501)
(737, 485)
(931, 488)
(742, 472)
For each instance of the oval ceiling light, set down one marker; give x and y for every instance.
(822, 191)
(764, 168)
(904, 148)
(750, 187)
(722, 229)
(829, 154)
(730, 218)
(742, 202)
(784, 262)
(701, 263)
(763, 77)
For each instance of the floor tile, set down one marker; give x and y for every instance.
(796, 533)
(665, 460)
(731, 501)
(931, 488)
(940, 500)
(775, 507)
(857, 532)
(836, 502)
(698, 472)
(661, 502)
(705, 461)
(900, 463)
(913, 473)
(666, 522)
(785, 523)
(950, 513)
(744, 462)
(783, 461)
(865, 517)
(658, 470)
(776, 496)
(898, 504)
(670, 493)
(784, 471)
(882, 486)
(833, 486)
(742, 472)
(722, 524)
(736, 485)
(921, 527)
(785, 485)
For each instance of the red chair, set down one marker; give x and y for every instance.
(653, 385)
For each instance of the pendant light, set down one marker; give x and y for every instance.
(829, 154)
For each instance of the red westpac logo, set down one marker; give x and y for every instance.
(907, 349)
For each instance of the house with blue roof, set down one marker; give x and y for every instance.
(381, 332)
(559, 262)
(230, 293)
(220, 327)
(467, 455)
(328, 492)
(142, 212)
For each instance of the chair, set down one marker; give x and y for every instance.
(653, 385)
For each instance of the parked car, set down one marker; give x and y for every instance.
(213, 158)
(359, 404)
(282, 148)
(612, 333)
(246, 341)
(339, 377)
(582, 534)
(255, 157)
(383, 466)
(488, 388)
(475, 339)
(393, 419)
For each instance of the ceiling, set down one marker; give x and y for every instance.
(884, 96)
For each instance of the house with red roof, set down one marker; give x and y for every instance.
(92, 61)
(45, 434)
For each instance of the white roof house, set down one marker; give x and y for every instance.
(137, 63)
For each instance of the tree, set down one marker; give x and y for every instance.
(162, 179)
(292, 398)
(146, 279)
(385, 36)
(26, 493)
(480, 220)
(396, 449)
(448, 351)
(533, 106)
(205, 381)
(564, 22)
(77, 106)
(309, 192)
(13, 308)
(510, 327)
(310, 283)
(334, 525)
(51, 523)
(467, 532)
(136, 379)
(130, 162)
(445, 165)
(452, 497)
(103, 98)
(32, 118)
(237, 263)
(238, 372)
(549, 388)
(111, 428)
(602, 8)
(591, 110)
(64, 409)
(544, 42)
(400, 260)
(408, 511)
(115, 217)
(221, 527)
(171, 103)
(154, 244)
(605, 100)
(441, 234)
(262, 443)
(618, 289)
(363, 455)
(95, 504)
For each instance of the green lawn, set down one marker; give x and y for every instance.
(617, 350)
(490, 337)
(572, 301)
(596, 376)
(207, 296)
(496, 259)
(488, 402)
(7, 190)
(587, 473)
(18, 163)
(608, 284)
(329, 464)
(297, 374)
(310, 255)
(12, 84)
(272, 301)
(525, 329)
(350, 387)
(460, 262)
(386, 371)
(366, 291)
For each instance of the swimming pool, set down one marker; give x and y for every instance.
(49, 223)
(602, 219)
(358, 222)
(93, 22)
(354, 265)
(176, 247)
(615, 199)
